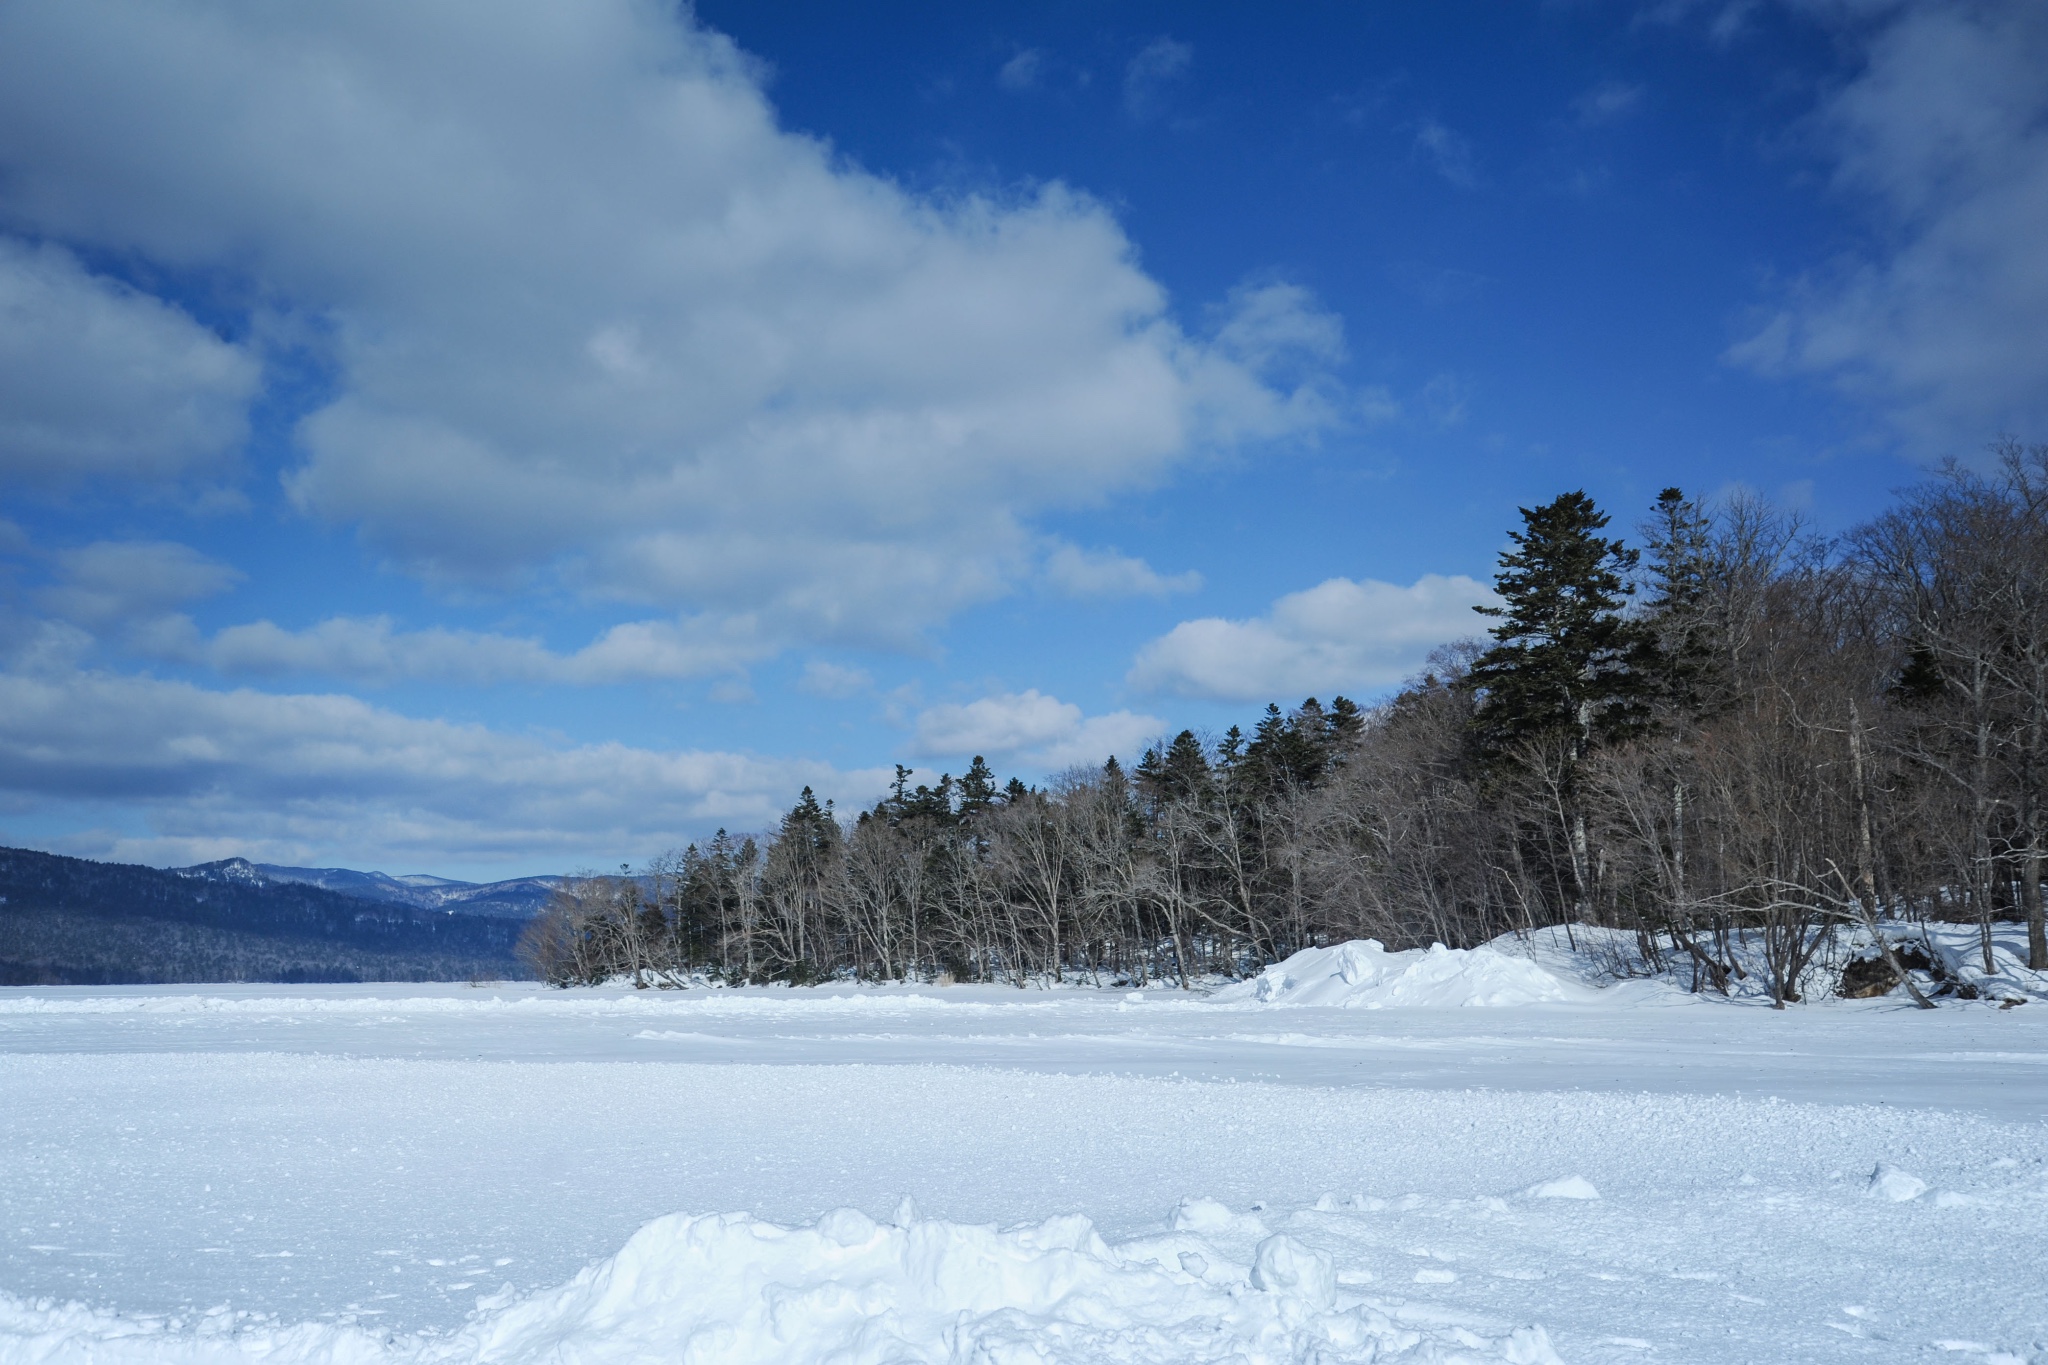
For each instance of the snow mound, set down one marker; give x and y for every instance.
(733, 1289)
(1889, 1182)
(1362, 974)
(1565, 1187)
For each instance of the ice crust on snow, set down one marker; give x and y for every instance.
(1362, 974)
(737, 1290)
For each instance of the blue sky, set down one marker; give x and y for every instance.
(499, 439)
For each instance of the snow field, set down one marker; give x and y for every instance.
(1339, 1160)
(350, 1200)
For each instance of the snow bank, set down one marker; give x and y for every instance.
(1889, 1182)
(732, 1289)
(1363, 974)
(1611, 960)
(1564, 1187)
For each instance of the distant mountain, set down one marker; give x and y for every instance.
(75, 921)
(519, 898)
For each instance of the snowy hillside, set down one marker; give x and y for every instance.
(77, 921)
(519, 897)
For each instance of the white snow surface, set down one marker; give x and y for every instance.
(1363, 975)
(430, 1174)
(730, 1287)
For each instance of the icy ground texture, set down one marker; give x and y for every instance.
(444, 1173)
(1364, 974)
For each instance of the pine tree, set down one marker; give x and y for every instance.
(1179, 773)
(810, 826)
(1347, 722)
(1679, 613)
(1566, 665)
(1290, 752)
(977, 788)
(1567, 670)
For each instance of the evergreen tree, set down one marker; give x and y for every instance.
(977, 788)
(1347, 722)
(810, 827)
(930, 804)
(1565, 665)
(1289, 752)
(1567, 670)
(1679, 613)
(1179, 773)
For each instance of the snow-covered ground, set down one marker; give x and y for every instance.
(1303, 1167)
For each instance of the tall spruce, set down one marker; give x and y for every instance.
(1690, 668)
(1567, 670)
(1565, 663)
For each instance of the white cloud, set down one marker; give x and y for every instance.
(1449, 152)
(1943, 136)
(99, 381)
(1032, 727)
(1106, 573)
(593, 313)
(1152, 74)
(1271, 326)
(1023, 71)
(120, 581)
(374, 650)
(1607, 102)
(1339, 636)
(823, 679)
(1444, 398)
(333, 779)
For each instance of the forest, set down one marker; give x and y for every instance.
(72, 921)
(1733, 727)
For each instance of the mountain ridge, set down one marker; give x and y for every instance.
(513, 898)
(74, 921)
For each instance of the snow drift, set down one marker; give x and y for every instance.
(732, 1289)
(1362, 974)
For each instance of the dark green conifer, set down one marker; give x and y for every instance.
(1679, 613)
(977, 788)
(1566, 664)
(1181, 772)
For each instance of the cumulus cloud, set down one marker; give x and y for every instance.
(1339, 636)
(1106, 573)
(824, 679)
(1032, 727)
(317, 778)
(1943, 137)
(109, 581)
(375, 650)
(593, 313)
(99, 381)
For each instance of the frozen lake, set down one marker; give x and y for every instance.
(383, 1156)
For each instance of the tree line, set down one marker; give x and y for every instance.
(1733, 729)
